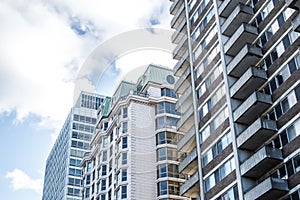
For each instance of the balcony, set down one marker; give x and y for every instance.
(188, 141)
(248, 55)
(252, 108)
(183, 82)
(175, 6)
(271, 188)
(181, 65)
(295, 4)
(243, 35)
(187, 120)
(250, 81)
(296, 23)
(184, 101)
(191, 187)
(227, 6)
(181, 48)
(179, 33)
(189, 165)
(241, 14)
(178, 17)
(261, 162)
(256, 134)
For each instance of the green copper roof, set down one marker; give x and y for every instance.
(156, 74)
(123, 90)
(106, 107)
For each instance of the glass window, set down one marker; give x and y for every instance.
(209, 182)
(231, 194)
(87, 192)
(161, 154)
(162, 171)
(124, 192)
(161, 138)
(173, 188)
(104, 156)
(203, 24)
(219, 174)
(103, 184)
(124, 142)
(208, 156)
(88, 179)
(162, 188)
(124, 158)
(168, 92)
(104, 170)
(124, 174)
(125, 112)
(124, 127)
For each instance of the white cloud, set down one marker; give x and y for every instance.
(21, 181)
(40, 54)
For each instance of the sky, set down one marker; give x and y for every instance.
(44, 45)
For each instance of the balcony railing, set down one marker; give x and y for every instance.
(187, 120)
(261, 162)
(190, 184)
(228, 6)
(241, 14)
(256, 134)
(250, 81)
(252, 108)
(295, 4)
(189, 163)
(243, 35)
(185, 143)
(183, 82)
(181, 65)
(248, 55)
(178, 17)
(270, 188)
(184, 101)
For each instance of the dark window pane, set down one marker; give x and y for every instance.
(289, 168)
(284, 139)
(286, 42)
(292, 66)
(297, 91)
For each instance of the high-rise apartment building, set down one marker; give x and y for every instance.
(239, 85)
(134, 154)
(63, 173)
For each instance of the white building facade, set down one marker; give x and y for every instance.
(134, 153)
